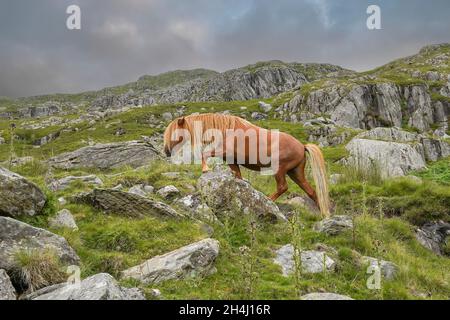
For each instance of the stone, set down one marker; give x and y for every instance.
(63, 219)
(193, 260)
(335, 178)
(123, 203)
(388, 269)
(228, 196)
(265, 107)
(16, 236)
(392, 159)
(168, 192)
(2, 140)
(193, 204)
(324, 296)
(311, 261)
(304, 202)
(19, 197)
(141, 190)
(155, 293)
(62, 201)
(334, 225)
(433, 235)
(107, 156)
(101, 286)
(167, 116)
(7, 291)
(258, 116)
(64, 183)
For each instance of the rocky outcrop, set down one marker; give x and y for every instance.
(44, 110)
(16, 236)
(47, 139)
(367, 106)
(228, 196)
(390, 159)
(334, 225)
(196, 259)
(64, 183)
(19, 197)
(107, 156)
(125, 203)
(101, 286)
(324, 296)
(327, 135)
(433, 235)
(311, 261)
(7, 291)
(63, 219)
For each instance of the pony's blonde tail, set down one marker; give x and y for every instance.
(320, 178)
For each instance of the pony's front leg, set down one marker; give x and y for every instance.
(205, 167)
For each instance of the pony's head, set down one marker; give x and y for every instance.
(172, 136)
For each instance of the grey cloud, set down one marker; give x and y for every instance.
(122, 40)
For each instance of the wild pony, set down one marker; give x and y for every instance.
(239, 142)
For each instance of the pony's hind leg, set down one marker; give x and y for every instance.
(236, 170)
(298, 176)
(282, 185)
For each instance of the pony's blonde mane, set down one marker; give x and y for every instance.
(220, 122)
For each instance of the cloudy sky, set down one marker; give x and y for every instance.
(121, 40)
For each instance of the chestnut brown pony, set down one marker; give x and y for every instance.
(291, 153)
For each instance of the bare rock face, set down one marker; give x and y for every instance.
(101, 286)
(367, 106)
(7, 291)
(125, 203)
(189, 261)
(433, 235)
(19, 197)
(107, 156)
(392, 158)
(226, 195)
(16, 236)
(324, 296)
(311, 261)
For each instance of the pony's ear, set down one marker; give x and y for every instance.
(181, 121)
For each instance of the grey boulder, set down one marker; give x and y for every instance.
(324, 296)
(19, 197)
(388, 269)
(228, 196)
(107, 156)
(64, 183)
(63, 219)
(101, 286)
(311, 261)
(392, 159)
(334, 225)
(186, 262)
(124, 203)
(16, 236)
(7, 291)
(433, 235)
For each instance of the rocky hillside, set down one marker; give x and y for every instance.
(84, 186)
(261, 80)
